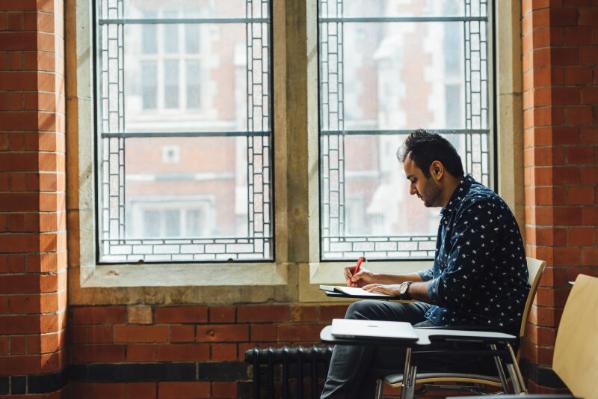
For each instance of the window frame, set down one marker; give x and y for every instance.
(295, 274)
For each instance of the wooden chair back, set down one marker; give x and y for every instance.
(535, 267)
(575, 358)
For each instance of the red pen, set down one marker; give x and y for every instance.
(359, 262)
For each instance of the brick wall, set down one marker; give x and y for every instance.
(560, 70)
(32, 197)
(560, 77)
(208, 340)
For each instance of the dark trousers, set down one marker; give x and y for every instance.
(354, 368)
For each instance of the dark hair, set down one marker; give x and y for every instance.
(426, 148)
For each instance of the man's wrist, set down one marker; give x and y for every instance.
(404, 290)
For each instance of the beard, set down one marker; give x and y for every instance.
(431, 193)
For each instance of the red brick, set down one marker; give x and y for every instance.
(23, 283)
(91, 334)
(258, 313)
(545, 316)
(22, 5)
(580, 196)
(136, 333)
(540, 38)
(588, 135)
(19, 324)
(540, 58)
(223, 352)
(563, 16)
(183, 390)
(589, 256)
(18, 345)
(329, 312)
(588, 56)
(46, 343)
(23, 304)
(224, 389)
(541, 17)
(575, 75)
(299, 332)
(543, 336)
(580, 236)
(588, 16)
(578, 116)
(182, 333)
(223, 333)
(589, 175)
(169, 352)
(222, 314)
(264, 332)
(18, 41)
(564, 256)
(82, 354)
(567, 216)
(181, 314)
(565, 56)
(578, 36)
(4, 345)
(565, 96)
(589, 216)
(98, 315)
(589, 95)
(19, 81)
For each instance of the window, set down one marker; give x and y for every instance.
(184, 131)
(387, 67)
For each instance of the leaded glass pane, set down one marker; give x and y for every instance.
(184, 130)
(388, 67)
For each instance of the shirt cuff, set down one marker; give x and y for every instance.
(426, 275)
(433, 290)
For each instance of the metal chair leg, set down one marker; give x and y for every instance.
(517, 370)
(501, 371)
(379, 388)
(406, 374)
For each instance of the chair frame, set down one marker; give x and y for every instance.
(535, 270)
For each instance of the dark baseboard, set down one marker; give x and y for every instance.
(541, 375)
(123, 372)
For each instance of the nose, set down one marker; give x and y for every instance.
(412, 189)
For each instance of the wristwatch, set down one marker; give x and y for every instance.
(404, 290)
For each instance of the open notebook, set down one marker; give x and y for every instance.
(353, 292)
(349, 328)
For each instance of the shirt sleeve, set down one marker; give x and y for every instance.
(473, 238)
(426, 275)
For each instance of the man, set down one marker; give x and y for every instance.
(479, 276)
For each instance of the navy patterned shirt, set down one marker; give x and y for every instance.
(479, 276)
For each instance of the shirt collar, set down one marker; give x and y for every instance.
(457, 196)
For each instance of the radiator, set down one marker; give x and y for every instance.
(288, 372)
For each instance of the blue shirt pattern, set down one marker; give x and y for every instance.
(479, 276)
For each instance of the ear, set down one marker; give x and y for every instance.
(437, 170)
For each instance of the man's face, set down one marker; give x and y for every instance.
(426, 188)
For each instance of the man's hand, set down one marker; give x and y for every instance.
(363, 277)
(388, 289)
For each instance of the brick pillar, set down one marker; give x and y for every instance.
(560, 78)
(32, 197)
